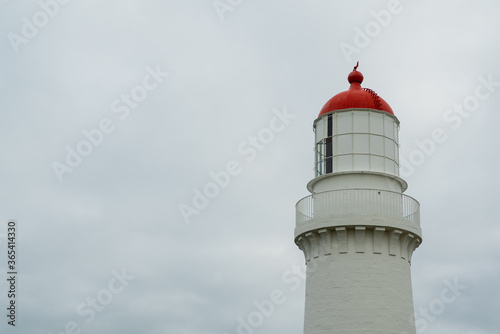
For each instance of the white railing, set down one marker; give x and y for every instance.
(350, 202)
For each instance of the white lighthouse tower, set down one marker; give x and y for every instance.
(357, 230)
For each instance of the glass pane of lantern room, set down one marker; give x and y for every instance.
(319, 168)
(330, 121)
(396, 132)
(376, 145)
(320, 154)
(360, 122)
(390, 166)
(320, 149)
(361, 162)
(377, 164)
(329, 152)
(388, 127)
(344, 122)
(320, 129)
(344, 163)
(361, 143)
(389, 148)
(344, 143)
(376, 123)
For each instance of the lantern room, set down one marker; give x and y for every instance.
(356, 131)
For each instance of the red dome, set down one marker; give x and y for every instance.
(356, 97)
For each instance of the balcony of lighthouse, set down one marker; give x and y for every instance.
(351, 208)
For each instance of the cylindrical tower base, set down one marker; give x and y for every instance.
(358, 280)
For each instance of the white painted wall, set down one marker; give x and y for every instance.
(358, 280)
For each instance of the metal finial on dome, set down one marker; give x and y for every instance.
(356, 97)
(355, 75)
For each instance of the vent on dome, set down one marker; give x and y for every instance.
(375, 97)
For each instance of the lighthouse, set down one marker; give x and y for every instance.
(357, 229)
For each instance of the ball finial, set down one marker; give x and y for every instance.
(355, 76)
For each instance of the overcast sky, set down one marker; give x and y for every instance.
(116, 115)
